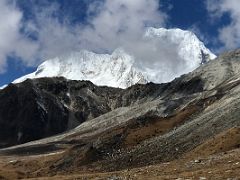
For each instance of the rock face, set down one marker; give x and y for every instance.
(27, 114)
(122, 128)
(120, 69)
(40, 108)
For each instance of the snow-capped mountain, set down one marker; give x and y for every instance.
(115, 70)
(120, 69)
(188, 46)
(182, 46)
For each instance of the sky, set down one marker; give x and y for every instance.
(32, 31)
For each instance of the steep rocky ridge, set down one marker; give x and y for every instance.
(43, 107)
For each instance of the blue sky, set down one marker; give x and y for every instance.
(38, 30)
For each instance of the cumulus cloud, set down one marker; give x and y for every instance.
(12, 42)
(119, 23)
(229, 35)
(110, 24)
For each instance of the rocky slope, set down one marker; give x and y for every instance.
(40, 108)
(142, 125)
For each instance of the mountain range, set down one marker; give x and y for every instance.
(61, 128)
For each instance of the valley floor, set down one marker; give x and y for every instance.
(224, 165)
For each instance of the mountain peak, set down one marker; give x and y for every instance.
(114, 69)
(182, 38)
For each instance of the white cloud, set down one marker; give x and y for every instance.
(229, 35)
(116, 23)
(11, 40)
(119, 23)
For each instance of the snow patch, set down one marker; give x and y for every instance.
(19, 136)
(2, 87)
